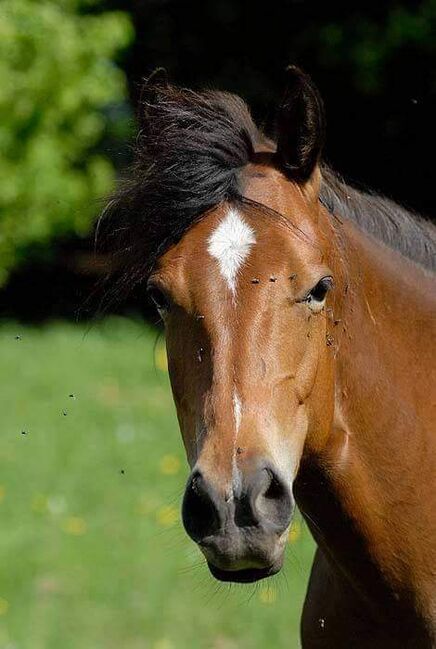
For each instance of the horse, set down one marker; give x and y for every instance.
(299, 318)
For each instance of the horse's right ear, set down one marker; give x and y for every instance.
(301, 126)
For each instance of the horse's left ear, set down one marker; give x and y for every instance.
(301, 126)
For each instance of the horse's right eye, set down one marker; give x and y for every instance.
(159, 299)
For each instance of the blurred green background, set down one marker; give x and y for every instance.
(92, 554)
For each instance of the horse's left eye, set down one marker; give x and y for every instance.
(316, 298)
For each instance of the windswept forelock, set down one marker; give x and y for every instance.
(188, 155)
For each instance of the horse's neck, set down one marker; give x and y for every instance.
(380, 460)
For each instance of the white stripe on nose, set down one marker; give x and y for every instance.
(237, 410)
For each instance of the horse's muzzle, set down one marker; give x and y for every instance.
(242, 535)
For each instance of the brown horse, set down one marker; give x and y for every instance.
(299, 317)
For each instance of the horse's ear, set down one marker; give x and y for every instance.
(301, 126)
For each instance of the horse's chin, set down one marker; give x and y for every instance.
(245, 575)
(243, 557)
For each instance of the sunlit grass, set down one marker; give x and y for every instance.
(92, 551)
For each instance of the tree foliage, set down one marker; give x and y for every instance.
(58, 81)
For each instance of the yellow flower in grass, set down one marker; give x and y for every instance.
(2, 493)
(169, 465)
(267, 595)
(74, 525)
(4, 606)
(167, 515)
(294, 532)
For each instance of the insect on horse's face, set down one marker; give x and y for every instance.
(243, 298)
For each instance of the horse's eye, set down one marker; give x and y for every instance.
(316, 297)
(159, 299)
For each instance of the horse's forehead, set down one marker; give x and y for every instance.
(230, 237)
(240, 235)
(222, 257)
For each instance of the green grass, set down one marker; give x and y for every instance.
(92, 551)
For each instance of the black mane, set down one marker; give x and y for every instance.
(385, 220)
(187, 160)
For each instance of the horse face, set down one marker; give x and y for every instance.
(243, 296)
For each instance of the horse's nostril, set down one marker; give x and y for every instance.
(277, 490)
(200, 513)
(273, 502)
(265, 503)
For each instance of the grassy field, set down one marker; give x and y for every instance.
(92, 551)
